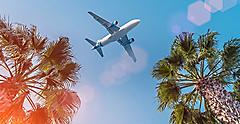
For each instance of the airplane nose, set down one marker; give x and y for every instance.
(136, 21)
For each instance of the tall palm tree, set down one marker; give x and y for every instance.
(196, 80)
(35, 77)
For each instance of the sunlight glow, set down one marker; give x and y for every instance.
(198, 14)
(87, 94)
(213, 5)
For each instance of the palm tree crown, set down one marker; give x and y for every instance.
(36, 77)
(194, 77)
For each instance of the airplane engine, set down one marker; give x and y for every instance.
(115, 23)
(132, 40)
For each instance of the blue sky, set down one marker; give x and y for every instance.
(113, 89)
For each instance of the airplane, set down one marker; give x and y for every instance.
(116, 33)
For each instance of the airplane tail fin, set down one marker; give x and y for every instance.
(99, 50)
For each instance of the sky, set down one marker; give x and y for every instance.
(113, 89)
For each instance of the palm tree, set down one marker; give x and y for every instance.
(35, 77)
(196, 80)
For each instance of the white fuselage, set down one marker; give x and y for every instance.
(120, 33)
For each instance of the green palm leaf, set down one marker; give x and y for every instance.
(163, 69)
(181, 115)
(184, 44)
(168, 94)
(231, 52)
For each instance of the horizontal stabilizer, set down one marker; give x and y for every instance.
(99, 50)
(91, 42)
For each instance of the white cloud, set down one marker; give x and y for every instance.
(124, 67)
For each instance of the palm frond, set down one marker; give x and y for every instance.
(207, 41)
(68, 73)
(230, 59)
(10, 88)
(163, 69)
(3, 24)
(176, 59)
(52, 83)
(181, 115)
(38, 116)
(58, 52)
(61, 105)
(207, 48)
(26, 65)
(11, 115)
(212, 59)
(200, 118)
(168, 94)
(184, 43)
(231, 54)
(189, 98)
(209, 118)
(5, 101)
(38, 42)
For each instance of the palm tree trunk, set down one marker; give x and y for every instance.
(221, 103)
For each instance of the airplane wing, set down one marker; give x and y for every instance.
(109, 26)
(124, 41)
